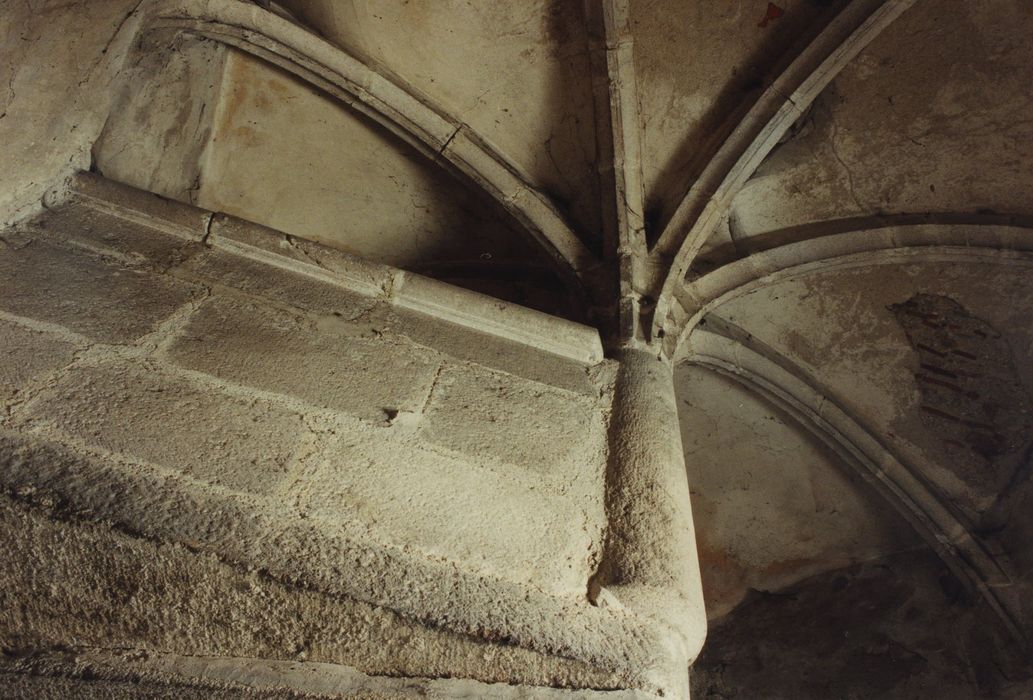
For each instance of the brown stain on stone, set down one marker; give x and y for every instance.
(246, 135)
(251, 94)
(772, 13)
(240, 72)
(973, 402)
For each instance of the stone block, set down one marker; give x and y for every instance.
(131, 236)
(27, 353)
(127, 221)
(451, 508)
(144, 413)
(467, 344)
(97, 296)
(502, 319)
(324, 361)
(88, 585)
(253, 240)
(267, 263)
(502, 419)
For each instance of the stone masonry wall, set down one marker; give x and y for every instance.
(187, 378)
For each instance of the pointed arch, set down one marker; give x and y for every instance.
(391, 103)
(862, 242)
(728, 350)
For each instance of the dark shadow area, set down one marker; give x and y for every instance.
(897, 628)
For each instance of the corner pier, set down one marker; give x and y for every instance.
(650, 565)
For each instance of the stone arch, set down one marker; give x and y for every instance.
(995, 242)
(724, 348)
(445, 140)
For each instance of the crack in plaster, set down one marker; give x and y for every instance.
(103, 55)
(834, 147)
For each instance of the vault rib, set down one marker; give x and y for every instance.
(619, 137)
(860, 242)
(708, 200)
(730, 351)
(393, 104)
(611, 36)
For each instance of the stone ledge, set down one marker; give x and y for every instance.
(212, 676)
(403, 290)
(107, 196)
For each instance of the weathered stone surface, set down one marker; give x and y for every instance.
(352, 273)
(56, 63)
(28, 353)
(177, 446)
(19, 685)
(304, 135)
(238, 443)
(973, 397)
(317, 551)
(324, 361)
(136, 225)
(98, 588)
(537, 331)
(112, 676)
(506, 355)
(896, 133)
(409, 495)
(683, 103)
(495, 418)
(160, 120)
(347, 126)
(96, 296)
(840, 326)
(281, 284)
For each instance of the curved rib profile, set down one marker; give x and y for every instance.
(1003, 244)
(389, 102)
(781, 104)
(762, 370)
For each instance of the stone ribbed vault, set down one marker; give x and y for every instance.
(365, 349)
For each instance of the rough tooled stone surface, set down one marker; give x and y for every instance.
(327, 467)
(90, 294)
(97, 588)
(28, 354)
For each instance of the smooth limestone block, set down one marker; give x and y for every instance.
(28, 353)
(278, 284)
(469, 344)
(278, 248)
(505, 419)
(324, 361)
(130, 224)
(94, 295)
(241, 444)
